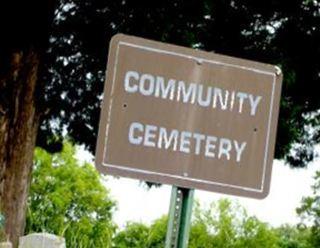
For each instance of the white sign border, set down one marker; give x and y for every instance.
(198, 59)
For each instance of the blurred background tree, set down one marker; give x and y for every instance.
(228, 225)
(285, 33)
(309, 211)
(69, 199)
(222, 224)
(294, 237)
(134, 235)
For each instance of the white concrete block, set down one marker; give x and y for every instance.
(5, 245)
(42, 240)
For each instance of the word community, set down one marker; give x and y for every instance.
(185, 142)
(194, 93)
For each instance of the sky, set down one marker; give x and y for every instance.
(136, 202)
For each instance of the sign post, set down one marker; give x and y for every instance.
(179, 219)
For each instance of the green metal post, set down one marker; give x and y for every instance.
(179, 221)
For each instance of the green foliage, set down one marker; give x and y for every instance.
(200, 236)
(223, 224)
(227, 225)
(136, 235)
(158, 232)
(292, 237)
(309, 211)
(69, 199)
(283, 32)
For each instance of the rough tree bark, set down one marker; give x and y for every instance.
(25, 28)
(19, 121)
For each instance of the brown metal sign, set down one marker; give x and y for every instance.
(190, 118)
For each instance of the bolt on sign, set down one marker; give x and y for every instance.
(190, 118)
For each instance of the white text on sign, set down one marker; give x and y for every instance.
(186, 142)
(178, 90)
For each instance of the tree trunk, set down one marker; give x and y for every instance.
(19, 121)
